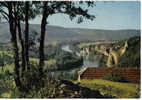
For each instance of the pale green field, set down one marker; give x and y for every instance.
(36, 61)
(7, 52)
(47, 62)
(10, 68)
(120, 90)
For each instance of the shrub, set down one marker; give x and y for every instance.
(37, 85)
(117, 77)
(32, 78)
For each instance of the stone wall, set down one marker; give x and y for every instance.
(131, 74)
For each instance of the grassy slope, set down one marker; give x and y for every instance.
(120, 90)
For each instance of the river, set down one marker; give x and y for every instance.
(86, 61)
(71, 74)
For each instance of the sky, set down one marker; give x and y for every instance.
(109, 15)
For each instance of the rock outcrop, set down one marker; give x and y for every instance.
(114, 55)
(67, 89)
(81, 72)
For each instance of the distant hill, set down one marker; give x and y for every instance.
(56, 33)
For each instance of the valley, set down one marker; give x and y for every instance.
(70, 49)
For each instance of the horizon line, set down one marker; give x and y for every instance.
(80, 27)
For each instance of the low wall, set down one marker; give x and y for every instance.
(131, 74)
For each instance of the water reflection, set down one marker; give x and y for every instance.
(88, 60)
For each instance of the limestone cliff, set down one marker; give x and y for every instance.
(112, 54)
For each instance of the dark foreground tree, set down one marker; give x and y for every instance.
(72, 9)
(27, 33)
(12, 26)
(42, 36)
(15, 12)
(19, 17)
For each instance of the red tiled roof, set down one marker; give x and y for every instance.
(132, 74)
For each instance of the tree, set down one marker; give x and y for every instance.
(18, 16)
(12, 26)
(14, 12)
(27, 33)
(71, 8)
(42, 36)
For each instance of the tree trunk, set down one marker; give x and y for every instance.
(42, 37)
(15, 46)
(27, 34)
(22, 45)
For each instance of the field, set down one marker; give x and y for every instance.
(117, 89)
(9, 68)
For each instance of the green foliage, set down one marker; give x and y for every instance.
(31, 77)
(51, 51)
(5, 59)
(46, 91)
(61, 60)
(37, 87)
(131, 57)
(116, 77)
(7, 85)
(67, 60)
(66, 75)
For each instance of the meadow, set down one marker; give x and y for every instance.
(117, 89)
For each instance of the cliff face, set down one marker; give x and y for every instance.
(112, 54)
